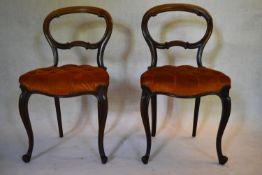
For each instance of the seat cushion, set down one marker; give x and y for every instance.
(65, 80)
(184, 81)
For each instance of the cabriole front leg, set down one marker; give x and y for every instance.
(144, 114)
(226, 108)
(23, 109)
(102, 115)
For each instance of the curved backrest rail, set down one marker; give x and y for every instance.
(100, 45)
(153, 45)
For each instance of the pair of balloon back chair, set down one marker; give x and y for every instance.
(177, 81)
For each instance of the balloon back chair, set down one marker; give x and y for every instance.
(183, 81)
(68, 80)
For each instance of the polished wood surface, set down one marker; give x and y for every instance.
(153, 45)
(100, 45)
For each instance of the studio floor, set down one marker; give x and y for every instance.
(174, 151)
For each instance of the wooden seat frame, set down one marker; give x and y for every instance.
(147, 95)
(100, 93)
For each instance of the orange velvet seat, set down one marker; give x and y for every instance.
(184, 80)
(65, 80)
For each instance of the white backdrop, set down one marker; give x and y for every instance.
(234, 48)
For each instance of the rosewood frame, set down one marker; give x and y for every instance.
(147, 94)
(100, 93)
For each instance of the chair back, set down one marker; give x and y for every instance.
(153, 45)
(100, 45)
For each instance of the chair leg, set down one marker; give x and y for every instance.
(144, 114)
(58, 113)
(154, 114)
(102, 115)
(196, 111)
(23, 110)
(226, 109)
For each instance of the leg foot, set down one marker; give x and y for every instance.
(26, 158)
(222, 160)
(145, 159)
(103, 159)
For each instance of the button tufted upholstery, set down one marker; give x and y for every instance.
(184, 80)
(65, 80)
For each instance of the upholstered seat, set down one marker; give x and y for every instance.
(65, 80)
(184, 80)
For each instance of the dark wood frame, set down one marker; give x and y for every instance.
(147, 94)
(100, 93)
